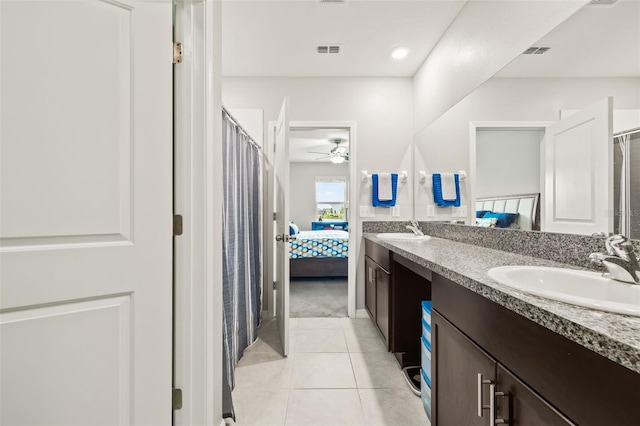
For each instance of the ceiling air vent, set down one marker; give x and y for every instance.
(328, 49)
(534, 50)
(602, 2)
(331, 1)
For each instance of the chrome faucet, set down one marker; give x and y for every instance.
(415, 228)
(620, 260)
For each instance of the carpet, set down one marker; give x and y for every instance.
(317, 298)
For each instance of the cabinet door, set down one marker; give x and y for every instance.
(370, 287)
(456, 363)
(382, 302)
(521, 406)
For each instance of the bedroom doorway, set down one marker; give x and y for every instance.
(319, 160)
(330, 271)
(319, 213)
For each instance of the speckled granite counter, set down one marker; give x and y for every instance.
(613, 336)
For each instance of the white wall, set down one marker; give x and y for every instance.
(444, 145)
(381, 107)
(507, 162)
(485, 37)
(251, 121)
(302, 188)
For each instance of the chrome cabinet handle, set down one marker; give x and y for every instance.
(480, 383)
(492, 406)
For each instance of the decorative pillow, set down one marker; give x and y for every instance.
(486, 222)
(481, 213)
(504, 219)
(293, 228)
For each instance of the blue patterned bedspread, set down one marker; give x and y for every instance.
(320, 244)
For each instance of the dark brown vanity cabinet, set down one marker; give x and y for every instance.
(377, 265)
(394, 288)
(473, 388)
(534, 377)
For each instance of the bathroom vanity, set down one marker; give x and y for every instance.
(392, 287)
(501, 356)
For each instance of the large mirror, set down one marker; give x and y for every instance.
(502, 134)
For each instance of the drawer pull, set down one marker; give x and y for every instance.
(492, 406)
(480, 383)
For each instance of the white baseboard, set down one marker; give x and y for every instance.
(362, 313)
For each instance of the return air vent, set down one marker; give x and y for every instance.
(602, 2)
(534, 50)
(328, 49)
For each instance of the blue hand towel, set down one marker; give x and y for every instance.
(437, 192)
(375, 202)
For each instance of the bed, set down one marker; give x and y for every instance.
(527, 206)
(319, 254)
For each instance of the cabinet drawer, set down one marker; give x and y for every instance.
(378, 254)
(425, 348)
(426, 331)
(425, 394)
(426, 311)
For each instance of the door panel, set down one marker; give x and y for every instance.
(383, 294)
(86, 212)
(523, 407)
(370, 287)
(578, 172)
(456, 364)
(281, 173)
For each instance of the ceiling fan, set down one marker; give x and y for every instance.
(337, 155)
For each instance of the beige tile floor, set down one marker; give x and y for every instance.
(338, 373)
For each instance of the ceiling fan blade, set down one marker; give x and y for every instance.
(326, 156)
(316, 152)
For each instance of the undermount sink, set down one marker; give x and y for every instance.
(405, 236)
(583, 288)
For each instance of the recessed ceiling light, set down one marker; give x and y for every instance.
(399, 53)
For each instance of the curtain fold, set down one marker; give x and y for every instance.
(242, 268)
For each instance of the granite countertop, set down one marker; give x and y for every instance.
(613, 336)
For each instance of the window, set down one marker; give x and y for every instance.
(331, 196)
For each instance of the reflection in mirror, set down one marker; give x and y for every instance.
(626, 183)
(580, 68)
(508, 176)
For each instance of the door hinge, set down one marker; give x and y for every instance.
(176, 398)
(177, 53)
(274, 285)
(177, 224)
(275, 216)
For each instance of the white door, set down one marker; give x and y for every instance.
(281, 231)
(85, 230)
(578, 172)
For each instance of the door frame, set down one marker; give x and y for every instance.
(352, 216)
(474, 126)
(197, 345)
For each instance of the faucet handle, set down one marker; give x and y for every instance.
(618, 245)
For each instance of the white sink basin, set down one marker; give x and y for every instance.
(404, 236)
(581, 288)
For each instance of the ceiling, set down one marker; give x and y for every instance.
(598, 41)
(279, 38)
(301, 141)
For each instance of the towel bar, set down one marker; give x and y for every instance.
(423, 176)
(402, 176)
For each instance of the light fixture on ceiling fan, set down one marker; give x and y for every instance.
(337, 155)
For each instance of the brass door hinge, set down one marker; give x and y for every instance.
(176, 399)
(177, 224)
(177, 53)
